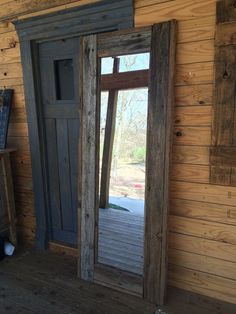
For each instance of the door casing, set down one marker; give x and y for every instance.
(67, 24)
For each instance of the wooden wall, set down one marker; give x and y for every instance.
(202, 240)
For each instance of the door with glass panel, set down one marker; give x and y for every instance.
(59, 80)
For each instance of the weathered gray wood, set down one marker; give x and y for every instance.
(125, 80)
(124, 42)
(10, 201)
(159, 142)
(5, 106)
(88, 189)
(120, 280)
(225, 11)
(36, 139)
(121, 240)
(222, 162)
(53, 175)
(223, 155)
(64, 173)
(61, 122)
(108, 142)
(91, 18)
(4, 220)
(54, 286)
(74, 131)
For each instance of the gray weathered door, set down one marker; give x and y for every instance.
(59, 80)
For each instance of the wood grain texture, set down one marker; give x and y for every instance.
(194, 95)
(201, 28)
(203, 263)
(224, 125)
(225, 11)
(9, 195)
(178, 9)
(191, 135)
(200, 282)
(203, 229)
(196, 51)
(202, 246)
(215, 194)
(195, 73)
(191, 155)
(204, 211)
(124, 42)
(210, 285)
(194, 88)
(160, 117)
(88, 188)
(190, 173)
(196, 116)
(12, 9)
(125, 80)
(225, 34)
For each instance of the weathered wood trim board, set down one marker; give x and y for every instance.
(193, 199)
(222, 155)
(42, 28)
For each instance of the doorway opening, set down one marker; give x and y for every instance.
(123, 128)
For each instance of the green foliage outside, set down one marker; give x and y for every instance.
(138, 154)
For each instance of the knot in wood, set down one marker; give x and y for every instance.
(12, 44)
(226, 75)
(178, 133)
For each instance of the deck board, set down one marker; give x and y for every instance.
(45, 282)
(121, 240)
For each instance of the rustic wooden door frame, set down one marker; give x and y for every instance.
(88, 19)
(160, 40)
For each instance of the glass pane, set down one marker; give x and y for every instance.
(103, 116)
(127, 183)
(121, 220)
(134, 62)
(64, 79)
(107, 65)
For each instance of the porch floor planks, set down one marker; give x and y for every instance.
(121, 240)
(45, 282)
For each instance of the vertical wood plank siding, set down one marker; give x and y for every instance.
(200, 212)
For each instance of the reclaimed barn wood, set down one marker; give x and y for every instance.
(61, 107)
(99, 17)
(159, 135)
(88, 184)
(7, 202)
(108, 141)
(196, 23)
(124, 42)
(224, 128)
(36, 134)
(5, 109)
(45, 286)
(125, 80)
(34, 29)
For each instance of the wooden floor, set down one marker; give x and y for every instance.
(43, 282)
(121, 240)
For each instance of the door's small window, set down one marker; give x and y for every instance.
(64, 79)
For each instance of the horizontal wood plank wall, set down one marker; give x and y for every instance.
(202, 237)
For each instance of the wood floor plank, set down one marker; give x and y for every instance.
(121, 240)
